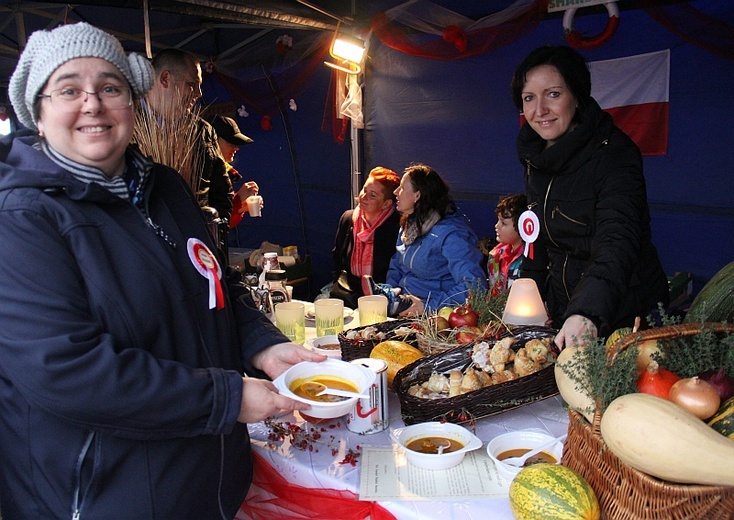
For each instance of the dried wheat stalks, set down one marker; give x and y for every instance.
(170, 138)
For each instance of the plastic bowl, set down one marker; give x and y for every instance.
(527, 439)
(404, 436)
(317, 344)
(362, 378)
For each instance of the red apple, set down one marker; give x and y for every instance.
(463, 315)
(467, 334)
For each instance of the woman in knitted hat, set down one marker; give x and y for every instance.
(123, 343)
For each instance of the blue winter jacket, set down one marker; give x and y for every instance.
(440, 266)
(119, 386)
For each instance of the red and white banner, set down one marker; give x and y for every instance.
(635, 91)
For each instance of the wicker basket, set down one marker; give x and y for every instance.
(361, 348)
(479, 403)
(625, 493)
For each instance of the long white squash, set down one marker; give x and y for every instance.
(661, 439)
(567, 387)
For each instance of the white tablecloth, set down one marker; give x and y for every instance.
(322, 469)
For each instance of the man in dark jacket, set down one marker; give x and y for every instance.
(176, 88)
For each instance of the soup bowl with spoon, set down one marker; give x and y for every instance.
(305, 380)
(435, 445)
(520, 443)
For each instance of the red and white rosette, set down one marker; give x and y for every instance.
(529, 228)
(208, 267)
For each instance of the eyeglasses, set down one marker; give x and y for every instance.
(70, 99)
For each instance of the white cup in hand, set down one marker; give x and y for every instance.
(254, 203)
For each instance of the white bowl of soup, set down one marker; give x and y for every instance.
(328, 346)
(517, 444)
(435, 445)
(298, 383)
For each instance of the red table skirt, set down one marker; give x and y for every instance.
(270, 494)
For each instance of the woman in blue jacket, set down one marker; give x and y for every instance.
(437, 259)
(123, 342)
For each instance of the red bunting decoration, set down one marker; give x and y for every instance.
(455, 35)
(283, 44)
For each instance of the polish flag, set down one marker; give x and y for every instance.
(635, 91)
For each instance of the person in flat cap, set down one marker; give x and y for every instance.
(230, 138)
(123, 343)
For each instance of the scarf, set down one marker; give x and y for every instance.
(364, 240)
(501, 260)
(129, 186)
(410, 233)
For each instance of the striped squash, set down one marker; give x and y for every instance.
(552, 492)
(723, 420)
(715, 301)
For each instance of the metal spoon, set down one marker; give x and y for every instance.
(519, 461)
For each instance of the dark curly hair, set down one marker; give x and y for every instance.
(511, 207)
(569, 63)
(434, 195)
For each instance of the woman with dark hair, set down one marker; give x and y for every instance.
(436, 259)
(594, 260)
(365, 238)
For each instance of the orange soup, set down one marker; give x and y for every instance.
(329, 346)
(309, 387)
(431, 445)
(519, 452)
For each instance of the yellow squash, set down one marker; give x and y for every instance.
(661, 439)
(568, 388)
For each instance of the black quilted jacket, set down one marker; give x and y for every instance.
(594, 255)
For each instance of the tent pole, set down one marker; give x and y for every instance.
(356, 176)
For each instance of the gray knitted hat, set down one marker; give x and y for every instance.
(46, 51)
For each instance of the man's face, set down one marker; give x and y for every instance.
(228, 150)
(186, 85)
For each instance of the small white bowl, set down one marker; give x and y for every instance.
(362, 378)
(527, 439)
(404, 436)
(316, 345)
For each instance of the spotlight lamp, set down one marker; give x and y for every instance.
(347, 50)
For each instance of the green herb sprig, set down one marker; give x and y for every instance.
(693, 355)
(489, 306)
(595, 376)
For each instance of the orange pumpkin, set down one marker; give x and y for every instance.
(396, 354)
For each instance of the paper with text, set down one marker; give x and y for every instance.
(387, 475)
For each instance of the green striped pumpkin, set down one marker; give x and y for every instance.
(723, 421)
(715, 301)
(552, 492)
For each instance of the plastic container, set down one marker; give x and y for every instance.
(269, 263)
(275, 280)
